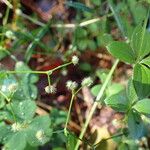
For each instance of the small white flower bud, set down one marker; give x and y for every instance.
(71, 85)
(9, 34)
(50, 89)
(19, 64)
(16, 127)
(12, 87)
(40, 135)
(18, 12)
(64, 72)
(75, 60)
(87, 81)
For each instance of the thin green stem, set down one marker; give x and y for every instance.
(117, 18)
(74, 93)
(59, 67)
(98, 98)
(85, 140)
(58, 131)
(32, 19)
(82, 24)
(38, 72)
(78, 90)
(24, 71)
(112, 137)
(8, 100)
(49, 80)
(8, 53)
(12, 111)
(68, 115)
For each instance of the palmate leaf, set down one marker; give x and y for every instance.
(27, 88)
(42, 124)
(138, 49)
(17, 141)
(135, 125)
(131, 92)
(71, 141)
(122, 51)
(118, 102)
(141, 80)
(24, 110)
(143, 106)
(34, 133)
(140, 42)
(146, 61)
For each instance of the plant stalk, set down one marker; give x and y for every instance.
(68, 115)
(97, 101)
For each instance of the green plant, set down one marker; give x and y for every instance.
(22, 128)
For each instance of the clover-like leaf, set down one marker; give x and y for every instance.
(140, 42)
(118, 102)
(135, 125)
(39, 131)
(142, 106)
(122, 51)
(24, 110)
(141, 80)
(146, 61)
(17, 141)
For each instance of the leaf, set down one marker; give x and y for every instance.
(102, 75)
(91, 44)
(5, 82)
(16, 142)
(2, 102)
(122, 51)
(123, 146)
(143, 106)
(82, 44)
(27, 88)
(106, 39)
(131, 92)
(141, 80)
(114, 88)
(146, 61)
(135, 125)
(80, 33)
(25, 109)
(39, 131)
(4, 132)
(71, 141)
(95, 89)
(85, 67)
(79, 6)
(140, 42)
(118, 102)
(58, 117)
(37, 38)
(138, 11)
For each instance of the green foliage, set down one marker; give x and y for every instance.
(134, 101)
(142, 106)
(118, 102)
(135, 125)
(21, 128)
(79, 6)
(71, 141)
(141, 76)
(122, 51)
